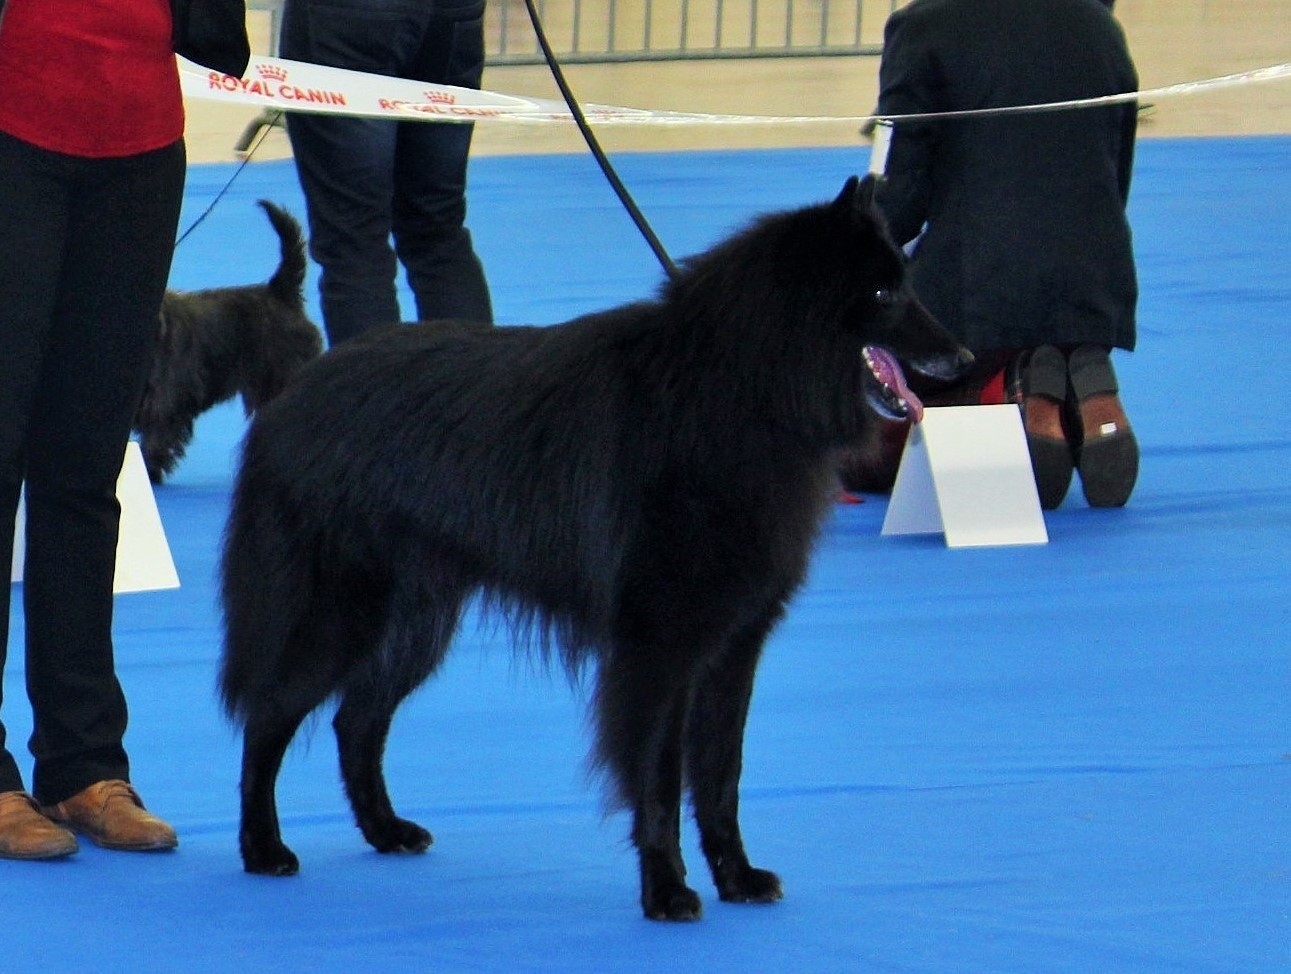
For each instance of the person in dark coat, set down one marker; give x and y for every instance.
(1016, 223)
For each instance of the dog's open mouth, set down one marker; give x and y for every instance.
(888, 392)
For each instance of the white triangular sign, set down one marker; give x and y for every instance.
(144, 562)
(966, 472)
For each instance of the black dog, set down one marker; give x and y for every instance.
(215, 344)
(640, 487)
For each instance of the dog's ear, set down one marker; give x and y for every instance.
(846, 200)
(857, 195)
(865, 192)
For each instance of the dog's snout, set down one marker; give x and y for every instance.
(942, 369)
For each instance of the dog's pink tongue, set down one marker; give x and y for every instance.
(888, 371)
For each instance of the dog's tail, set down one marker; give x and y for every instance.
(288, 281)
(265, 575)
(295, 612)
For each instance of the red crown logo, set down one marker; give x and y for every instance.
(271, 72)
(441, 97)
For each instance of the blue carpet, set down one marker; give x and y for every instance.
(1067, 758)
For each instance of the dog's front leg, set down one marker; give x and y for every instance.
(714, 751)
(642, 702)
(656, 827)
(664, 893)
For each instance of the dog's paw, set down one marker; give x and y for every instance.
(269, 859)
(672, 902)
(750, 885)
(399, 835)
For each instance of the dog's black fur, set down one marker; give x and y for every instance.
(215, 344)
(640, 487)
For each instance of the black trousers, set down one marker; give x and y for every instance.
(85, 251)
(370, 181)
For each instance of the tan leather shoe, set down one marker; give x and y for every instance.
(112, 815)
(27, 834)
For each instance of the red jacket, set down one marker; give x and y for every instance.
(97, 78)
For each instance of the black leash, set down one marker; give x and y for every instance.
(590, 138)
(264, 132)
(638, 218)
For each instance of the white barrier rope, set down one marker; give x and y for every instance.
(283, 85)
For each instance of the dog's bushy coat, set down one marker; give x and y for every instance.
(215, 344)
(643, 485)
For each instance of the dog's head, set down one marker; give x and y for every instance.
(809, 318)
(903, 343)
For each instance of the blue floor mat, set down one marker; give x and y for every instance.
(1066, 758)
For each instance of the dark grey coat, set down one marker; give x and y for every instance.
(1026, 240)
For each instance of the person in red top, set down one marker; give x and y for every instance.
(92, 163)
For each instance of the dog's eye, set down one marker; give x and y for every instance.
(885, 297)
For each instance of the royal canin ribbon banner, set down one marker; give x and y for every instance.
(296, 86)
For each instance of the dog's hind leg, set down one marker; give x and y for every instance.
(423, 617)
(336, 629)
(642, 700)
(264, 743)
(715, 745)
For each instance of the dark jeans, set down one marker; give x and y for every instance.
(85, 250)
(367, 181)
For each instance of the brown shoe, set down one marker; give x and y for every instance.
(1108, 456)
(1037, 381)
(112, 815)
(27, 834)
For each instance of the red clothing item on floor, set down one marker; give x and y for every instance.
(993, 393)
(90, 78)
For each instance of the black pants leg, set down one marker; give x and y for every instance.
(430, 233)
(86, 248)
(370, 181)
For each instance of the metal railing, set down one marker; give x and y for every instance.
(600, 31)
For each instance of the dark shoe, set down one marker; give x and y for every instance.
(1108, 454)
(112, 815)
(1037, 381)
(27, 834)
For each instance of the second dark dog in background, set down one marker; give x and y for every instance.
(215, 344)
